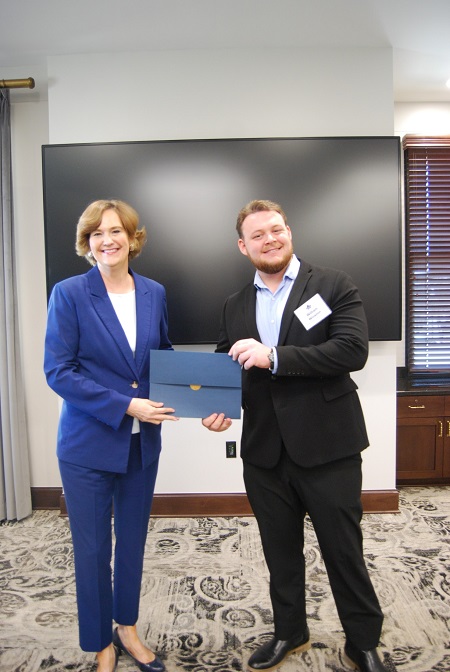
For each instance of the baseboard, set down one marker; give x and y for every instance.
(380, 501)
(46, 498)
(211, 504)
(197, 505)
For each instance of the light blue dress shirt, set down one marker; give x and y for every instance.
(270, 307)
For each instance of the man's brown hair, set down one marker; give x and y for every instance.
(258, 206)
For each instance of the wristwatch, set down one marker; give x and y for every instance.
(271, 357)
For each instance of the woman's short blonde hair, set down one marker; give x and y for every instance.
(90, 221)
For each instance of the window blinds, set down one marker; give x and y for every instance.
(427, 192)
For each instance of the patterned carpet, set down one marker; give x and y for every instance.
(205, 604)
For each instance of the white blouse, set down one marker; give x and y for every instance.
(125, 307)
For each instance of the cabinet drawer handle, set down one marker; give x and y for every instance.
(421, 406)
(448, 428)
(441, 427)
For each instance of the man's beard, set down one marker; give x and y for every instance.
(271, 268)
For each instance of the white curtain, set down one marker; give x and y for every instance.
(15, 492)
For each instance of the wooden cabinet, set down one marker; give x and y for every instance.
(423, 439)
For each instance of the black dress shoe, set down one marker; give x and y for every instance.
(155, 666)
(365, 661)
(270, 655)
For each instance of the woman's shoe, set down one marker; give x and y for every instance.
(155, 666)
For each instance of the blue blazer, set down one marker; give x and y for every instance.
(89, 363)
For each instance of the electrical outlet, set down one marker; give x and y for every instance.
(231, 448)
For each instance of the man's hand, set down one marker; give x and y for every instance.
(217, 422)
(249, 352)
(146, 410)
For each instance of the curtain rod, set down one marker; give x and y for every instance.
(17, 83)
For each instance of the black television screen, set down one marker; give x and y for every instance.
(341, 196)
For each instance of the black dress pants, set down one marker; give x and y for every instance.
(331, 495)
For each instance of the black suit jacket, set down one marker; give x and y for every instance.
(311, 404)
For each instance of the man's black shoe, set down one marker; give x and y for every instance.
(365, 661)
(270, 655)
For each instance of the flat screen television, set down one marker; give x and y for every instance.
(341, 196)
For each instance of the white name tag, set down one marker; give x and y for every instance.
(312, 311)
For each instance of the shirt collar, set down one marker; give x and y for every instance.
(290, 273)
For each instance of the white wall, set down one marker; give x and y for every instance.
(197, 94)
(422, 118)
(221, 93)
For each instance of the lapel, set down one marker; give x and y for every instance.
(293, 301)
(107, 314)
(250, 312)
(144, 315)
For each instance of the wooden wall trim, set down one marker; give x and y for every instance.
(380, 501)
(46, 498)
(211, 504)
(197, 505)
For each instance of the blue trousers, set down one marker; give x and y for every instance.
(90, 495)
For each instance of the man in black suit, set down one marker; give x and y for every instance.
(298, 331)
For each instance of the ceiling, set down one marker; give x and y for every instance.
(417, 30)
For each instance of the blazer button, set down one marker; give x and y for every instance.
(134, 384)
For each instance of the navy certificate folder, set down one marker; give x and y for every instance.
(196, 384)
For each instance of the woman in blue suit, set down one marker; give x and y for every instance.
(101, 328)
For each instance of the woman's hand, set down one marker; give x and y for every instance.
(217, 422)
(147, 410)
